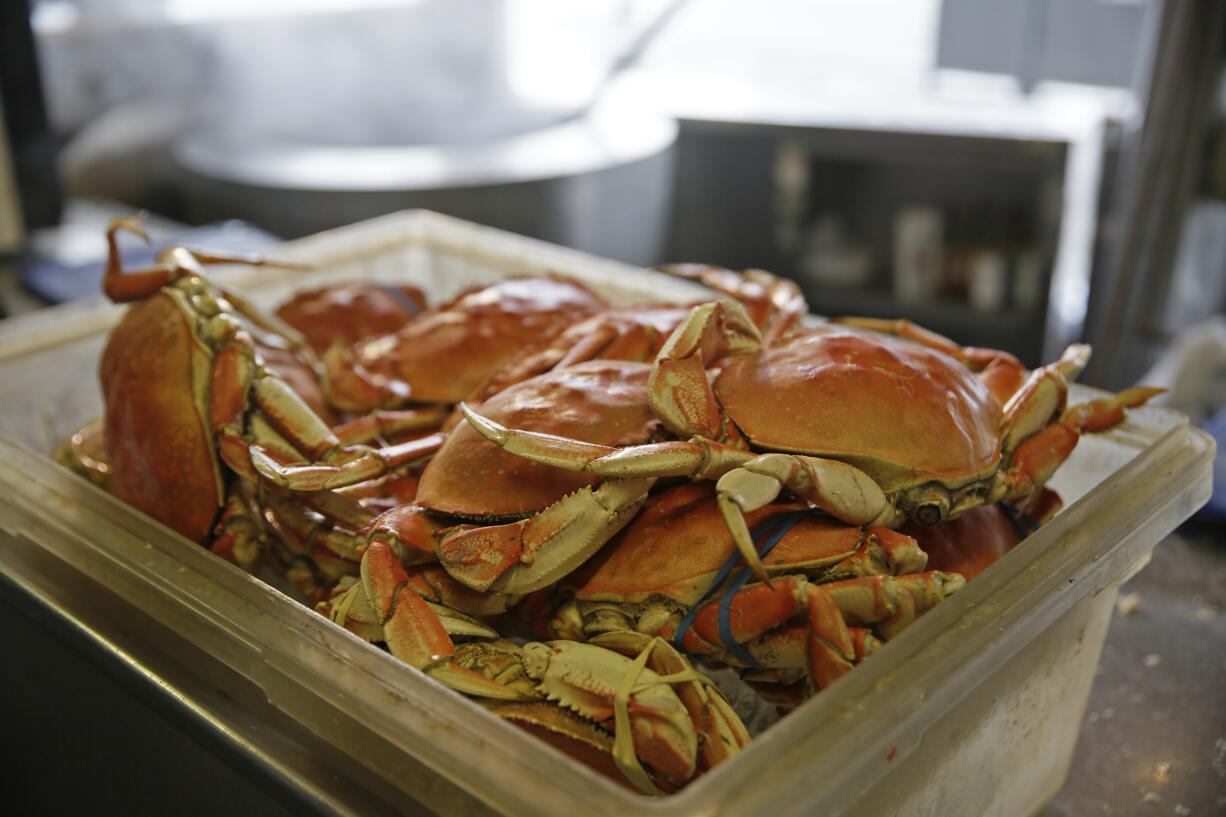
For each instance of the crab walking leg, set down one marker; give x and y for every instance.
(174, 263)
(838, 616)
(392, 422)
(842, 490)
(775, 304)
(349, 606)
(678, 389)
(413, 632)
(340, 467)
(1032, 444)
(122, 285)
(757, 610)
(1033, 461)
(1041, 398)
(286, 442)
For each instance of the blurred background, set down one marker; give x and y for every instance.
(1012, 174)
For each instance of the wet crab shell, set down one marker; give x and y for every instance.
(604, 401)
(902, 413)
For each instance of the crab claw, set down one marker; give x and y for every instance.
(520, 557)
(413, 633)
(603, 686)
(721, 731)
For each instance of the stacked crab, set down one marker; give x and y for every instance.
(639, 488)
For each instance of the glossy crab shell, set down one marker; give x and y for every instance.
(678, 542)
(448, 352)
(163, 460)
(900, 412)
(602, 400)
(348, 313)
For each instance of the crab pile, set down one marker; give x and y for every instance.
(569, 512)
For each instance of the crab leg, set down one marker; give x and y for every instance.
(349, 606)
(648, 719)
(1034, 459)
(122, 285)
(413, 632)
(746, 481)
(1041, 398)
(237, 536)
(713, 716)
(757, 610)
(678, 389)
(775, 304)
(391, 423)
(837, 617)
(1000, 371)
(339, 467)
(1032, 445)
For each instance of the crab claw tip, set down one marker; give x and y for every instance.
(488, 428)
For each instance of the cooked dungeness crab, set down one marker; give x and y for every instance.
(836, 592)
(446, 352)
(344, 314)
(872, 429)
(491, 518)
(196, 418)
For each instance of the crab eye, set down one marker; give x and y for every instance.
(932, 508)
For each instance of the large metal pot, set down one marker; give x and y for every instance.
(600, 181)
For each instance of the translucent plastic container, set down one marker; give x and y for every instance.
(974, 710)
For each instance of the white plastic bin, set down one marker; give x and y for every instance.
(974, 710)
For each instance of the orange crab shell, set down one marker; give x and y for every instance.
(629, 333)
(604, 401)
(679, 541)
(900, 412)
(161, 450)
(348, 313)
(448, 352)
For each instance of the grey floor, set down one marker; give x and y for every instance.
(1153, 741)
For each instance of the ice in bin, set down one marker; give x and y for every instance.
(974, 710)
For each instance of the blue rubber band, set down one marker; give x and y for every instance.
(768, 534)
(687, 620)
(725, 603)
(1023, 523)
